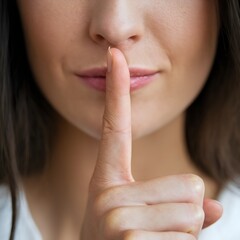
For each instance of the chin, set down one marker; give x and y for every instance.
(95, 131)
(141, 131)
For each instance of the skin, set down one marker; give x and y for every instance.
(110, 148)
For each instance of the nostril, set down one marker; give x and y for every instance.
(99, 37)
(134, 38)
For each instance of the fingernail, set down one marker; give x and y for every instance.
(219, 204)
(109, 59)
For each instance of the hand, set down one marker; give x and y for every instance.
(120, 208)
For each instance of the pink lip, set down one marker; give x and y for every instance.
(96, 78)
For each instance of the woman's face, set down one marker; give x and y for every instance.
(176, 37)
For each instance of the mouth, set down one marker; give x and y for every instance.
(96, 78)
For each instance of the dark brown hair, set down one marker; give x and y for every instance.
(213, 120)
(26, 119)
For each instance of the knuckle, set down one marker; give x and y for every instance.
(94, 187)
(178, 235)
(189, 237)
(113, 222)
(100, 204)
(131, 235)
(111, 197)
(196, 185)
(111, 125)
(197, 216)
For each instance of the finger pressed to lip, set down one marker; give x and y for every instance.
(113, 165)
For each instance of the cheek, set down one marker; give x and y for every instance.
(50, 29)
(52, 37)
(187, 31)
(189, 38)
(193, 48)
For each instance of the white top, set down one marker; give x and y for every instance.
(26, 229)
(227, 228)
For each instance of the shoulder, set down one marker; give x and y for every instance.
(25, 226)
(5, 212)
(227, 227)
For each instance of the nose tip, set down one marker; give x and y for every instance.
(115, 24)
(111, 37)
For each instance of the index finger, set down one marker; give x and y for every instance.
(113, 165)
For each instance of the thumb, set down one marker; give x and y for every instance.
(213, 212)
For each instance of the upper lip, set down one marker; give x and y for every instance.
(101, 72)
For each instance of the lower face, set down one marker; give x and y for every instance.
(178, 38)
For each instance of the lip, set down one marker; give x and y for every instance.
(96, 77)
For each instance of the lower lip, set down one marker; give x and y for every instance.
(99, 83)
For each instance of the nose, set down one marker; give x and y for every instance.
(116, 23)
